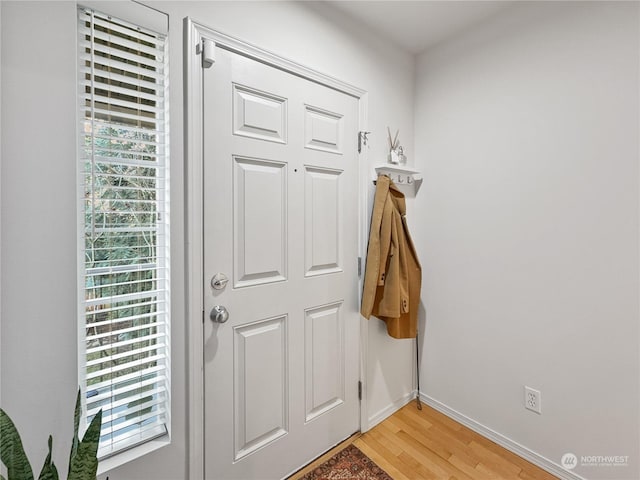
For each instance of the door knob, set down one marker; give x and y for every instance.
(219, 314)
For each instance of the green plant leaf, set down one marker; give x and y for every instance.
(11, 450)
(49, 470)
(76, 425)
(85, 462)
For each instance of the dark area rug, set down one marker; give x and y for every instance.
(348, 464)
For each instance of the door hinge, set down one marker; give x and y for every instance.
(359, 266)
(362, 140)
(359, 390)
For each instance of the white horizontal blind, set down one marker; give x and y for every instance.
(124, 224)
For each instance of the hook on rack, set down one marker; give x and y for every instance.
(399, 179)
(388, 175)
(407, 178)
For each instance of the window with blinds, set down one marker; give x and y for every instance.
(124, 217)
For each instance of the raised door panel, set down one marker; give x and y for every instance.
(323, 130)
(260, 221)
(324, 359)
(260, 384)
(259, 115)
(322, 221)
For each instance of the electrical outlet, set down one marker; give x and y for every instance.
(532, 400)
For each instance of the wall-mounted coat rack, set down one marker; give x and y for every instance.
(408, 180)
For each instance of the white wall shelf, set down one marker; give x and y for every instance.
(407, 179)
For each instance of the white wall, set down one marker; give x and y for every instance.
(526, 128)
(0, 203)
(38, 256)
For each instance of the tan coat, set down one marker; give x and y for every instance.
(393, 274)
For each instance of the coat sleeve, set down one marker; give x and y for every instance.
(389, 304)
(386, 247)
(373, 250)
(403, 295)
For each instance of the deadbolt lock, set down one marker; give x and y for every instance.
(219, 281)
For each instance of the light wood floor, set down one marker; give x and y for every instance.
(416, 445)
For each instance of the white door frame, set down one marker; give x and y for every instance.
(195, 33)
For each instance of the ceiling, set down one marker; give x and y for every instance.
(419, 24)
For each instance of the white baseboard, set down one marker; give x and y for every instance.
(389, 410)
(501, 440)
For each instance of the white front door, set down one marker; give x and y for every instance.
(280, 222)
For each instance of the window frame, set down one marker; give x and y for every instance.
(145, 18)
